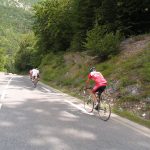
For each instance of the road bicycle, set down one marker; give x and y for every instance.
(35, 81)
(103, 108)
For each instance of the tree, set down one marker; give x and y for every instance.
(107, 15)
(26, 57)
(52, 25)
(2, 62)
(83, 20)
(133, 16)
(101, 43)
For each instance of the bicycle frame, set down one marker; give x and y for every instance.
(35, 81)
(104, 109)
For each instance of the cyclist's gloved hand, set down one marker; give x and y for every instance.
(86, 87)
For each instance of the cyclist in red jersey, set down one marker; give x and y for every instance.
(100, 84)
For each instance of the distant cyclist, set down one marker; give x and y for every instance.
(100, 84)
(35, 74)
(30, 73)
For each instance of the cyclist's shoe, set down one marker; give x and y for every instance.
(96, 106)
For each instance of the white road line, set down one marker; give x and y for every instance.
(136, 127)
(4, 91)
(0, 105)
(61, 94)
(140, 129)
(78, 107)
(46, 89)
(71, 103)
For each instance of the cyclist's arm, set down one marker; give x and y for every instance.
(87, 83)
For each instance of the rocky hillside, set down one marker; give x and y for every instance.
(132, 89)
(128, 75)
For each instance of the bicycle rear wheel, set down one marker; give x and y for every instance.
(104, 110)
(35, 81)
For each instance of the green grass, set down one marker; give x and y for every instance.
(132, 72)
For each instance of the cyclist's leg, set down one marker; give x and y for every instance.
(33, 78)
(100, 90)
(94, 90)
(90, 91)
(38, 77)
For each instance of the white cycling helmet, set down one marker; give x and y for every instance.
(92, 69)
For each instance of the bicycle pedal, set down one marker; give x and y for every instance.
(96, 108)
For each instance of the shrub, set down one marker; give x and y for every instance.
(2, 58)
(76, 43)
(103, 43)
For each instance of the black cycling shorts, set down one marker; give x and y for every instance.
(101, 89)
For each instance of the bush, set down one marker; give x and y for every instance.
(103, 43)
(76, 43)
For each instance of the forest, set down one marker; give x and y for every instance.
(66, 37)
(14, 23)
(89, 25)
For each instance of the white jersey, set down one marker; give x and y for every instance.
(35, 72)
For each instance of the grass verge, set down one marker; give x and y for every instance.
(132, 117)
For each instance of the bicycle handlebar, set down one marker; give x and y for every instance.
(85, 88)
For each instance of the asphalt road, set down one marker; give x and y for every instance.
(43, 118)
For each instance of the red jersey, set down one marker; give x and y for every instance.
(98, 78)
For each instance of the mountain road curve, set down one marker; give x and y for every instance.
(44, 118)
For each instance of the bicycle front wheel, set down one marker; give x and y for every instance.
(35, 82)
(88, 104)
(104, 110)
